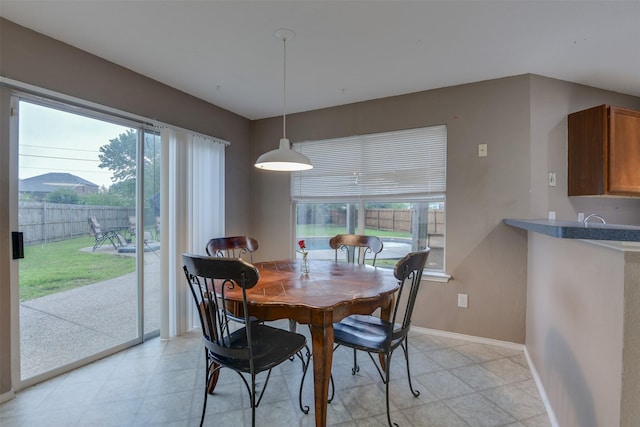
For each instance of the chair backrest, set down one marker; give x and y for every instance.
(201, 273)
(357, 247)
(95, 227)
(132, 225)
(232, 247)
(408, 271)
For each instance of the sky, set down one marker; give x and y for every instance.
(57, 141)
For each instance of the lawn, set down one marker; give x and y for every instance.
(60, 266)
(313, 230)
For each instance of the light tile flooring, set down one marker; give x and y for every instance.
(161, 383)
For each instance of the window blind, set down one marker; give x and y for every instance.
(405, 162)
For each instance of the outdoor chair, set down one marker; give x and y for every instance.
(356, 247)
(232, 247)
(376, 336)
(113, 237)
(132, 226)
(249, 350)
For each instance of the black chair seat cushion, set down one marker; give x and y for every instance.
(271, 346)
(367, 333)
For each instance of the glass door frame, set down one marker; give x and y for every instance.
(95, 113)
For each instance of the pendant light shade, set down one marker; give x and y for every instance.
(284, 158)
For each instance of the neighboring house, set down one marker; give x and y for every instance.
(39, 186)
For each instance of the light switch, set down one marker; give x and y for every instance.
(482, 150)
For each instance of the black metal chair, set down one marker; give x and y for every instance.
(376, 336)
(357, 247)
(249, 350)
(232, 247)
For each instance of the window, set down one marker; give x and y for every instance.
(391, 185)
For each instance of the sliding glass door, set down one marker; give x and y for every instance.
(88, 208)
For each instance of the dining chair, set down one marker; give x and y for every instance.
(356, 247)
(232, 247)
(248, 350)
(376, 336)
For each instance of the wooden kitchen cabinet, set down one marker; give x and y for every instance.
(604, 152)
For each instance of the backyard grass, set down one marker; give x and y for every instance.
(60, 266)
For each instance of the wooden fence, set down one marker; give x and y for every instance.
(402, 220)
(51, 222)
(393, 220)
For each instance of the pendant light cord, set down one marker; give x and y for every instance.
(284, 89)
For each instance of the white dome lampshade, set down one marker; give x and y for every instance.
(283, 159)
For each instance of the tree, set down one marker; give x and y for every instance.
(105, 198)
(119, 156)
(63, 195)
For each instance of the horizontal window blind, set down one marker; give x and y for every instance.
(405, 162)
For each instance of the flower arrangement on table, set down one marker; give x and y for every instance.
(304, 252)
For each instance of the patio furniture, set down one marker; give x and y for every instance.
(113, 237)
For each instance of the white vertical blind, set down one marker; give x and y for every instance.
(405, 162)
(191, 212)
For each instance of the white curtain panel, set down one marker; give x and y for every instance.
(191, 212)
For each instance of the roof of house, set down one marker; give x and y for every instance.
(52, 181)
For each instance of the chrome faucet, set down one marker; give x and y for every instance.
(596, 216)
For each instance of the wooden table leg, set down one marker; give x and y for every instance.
(322, 344)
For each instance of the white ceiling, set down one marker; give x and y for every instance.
(345, 51)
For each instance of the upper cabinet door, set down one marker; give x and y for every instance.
(624, 151)
(604, 152)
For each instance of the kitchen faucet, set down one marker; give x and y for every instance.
(596, 216)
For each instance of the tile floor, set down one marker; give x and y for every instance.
(161, 383)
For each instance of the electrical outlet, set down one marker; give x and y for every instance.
(463, 300)
(552, 179)
(482, 150)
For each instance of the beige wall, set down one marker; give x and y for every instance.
(575, 310)
(32, 58)
(486, 259)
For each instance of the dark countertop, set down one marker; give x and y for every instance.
(578, 230)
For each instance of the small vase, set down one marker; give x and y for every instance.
(305, 264)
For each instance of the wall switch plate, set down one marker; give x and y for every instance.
(552, 215)
(482, 150)
(552, 179)
(463, 300)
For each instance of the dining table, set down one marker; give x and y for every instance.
(328, 293)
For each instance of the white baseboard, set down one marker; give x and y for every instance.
(470, 338)
(5, 397)
(543, 393)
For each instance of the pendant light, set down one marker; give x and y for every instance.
(284, 158)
